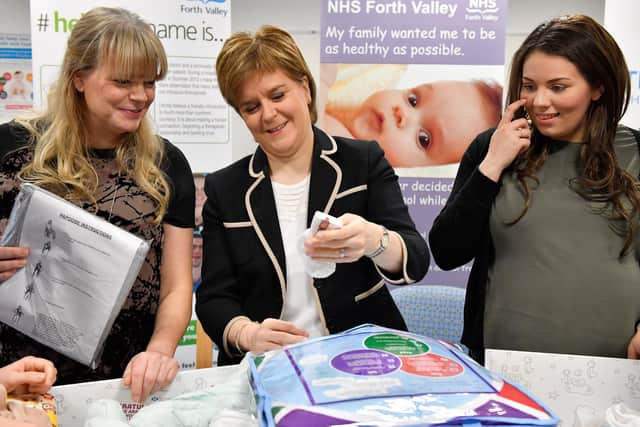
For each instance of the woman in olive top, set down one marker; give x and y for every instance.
(549, 214)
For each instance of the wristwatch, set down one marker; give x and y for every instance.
(384, 242)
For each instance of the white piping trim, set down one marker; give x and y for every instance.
(362, 187)
(225, 334)
(369, 292)
(238, 224)
(319, 306)
(323, 155)
(264, 242)
(405, 259)
(251, 172)
(336, 186)
(334, 145)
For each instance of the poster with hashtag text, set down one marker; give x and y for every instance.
(188, 108)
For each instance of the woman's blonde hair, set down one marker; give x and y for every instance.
(122, 41)
(267, 50)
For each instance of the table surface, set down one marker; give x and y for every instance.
(72, 400)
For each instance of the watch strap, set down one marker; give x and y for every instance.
(384, 242)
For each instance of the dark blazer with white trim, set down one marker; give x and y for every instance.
(244, 266)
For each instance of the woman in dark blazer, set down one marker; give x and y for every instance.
(255, 295)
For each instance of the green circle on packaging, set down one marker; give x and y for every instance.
(396, 344)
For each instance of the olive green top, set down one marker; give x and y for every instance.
(557, 283)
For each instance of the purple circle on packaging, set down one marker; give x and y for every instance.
(366, 362)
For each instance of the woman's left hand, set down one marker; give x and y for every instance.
(356, 238)
(633, 349)
(148, 372)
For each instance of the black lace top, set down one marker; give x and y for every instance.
(128, 207)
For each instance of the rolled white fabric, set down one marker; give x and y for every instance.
(315, 269)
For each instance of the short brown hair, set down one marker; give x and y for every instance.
(267, 50)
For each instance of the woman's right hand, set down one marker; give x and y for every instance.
(510, 139)
(12, 258)
(271, 334)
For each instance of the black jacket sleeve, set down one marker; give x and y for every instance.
(219, 298)
(387, 207)
(461, 230)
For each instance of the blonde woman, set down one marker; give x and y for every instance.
(94, 145)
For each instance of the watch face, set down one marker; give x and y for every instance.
(384, 240)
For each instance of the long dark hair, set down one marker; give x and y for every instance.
(598, 58)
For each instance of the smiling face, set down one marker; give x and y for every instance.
(430, 124)
(115, 105)
(558, 96)
(275, 108)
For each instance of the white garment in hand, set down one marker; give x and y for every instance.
(317, 269)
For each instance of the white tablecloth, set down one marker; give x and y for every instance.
(72, 400)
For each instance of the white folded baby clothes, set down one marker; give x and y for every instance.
(317, 269)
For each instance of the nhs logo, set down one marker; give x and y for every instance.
(483, 10)
(482, 6)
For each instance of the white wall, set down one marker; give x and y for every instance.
(14, 18)
(524, 15)
(302, 19)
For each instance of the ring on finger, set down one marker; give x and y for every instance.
(341, 253)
